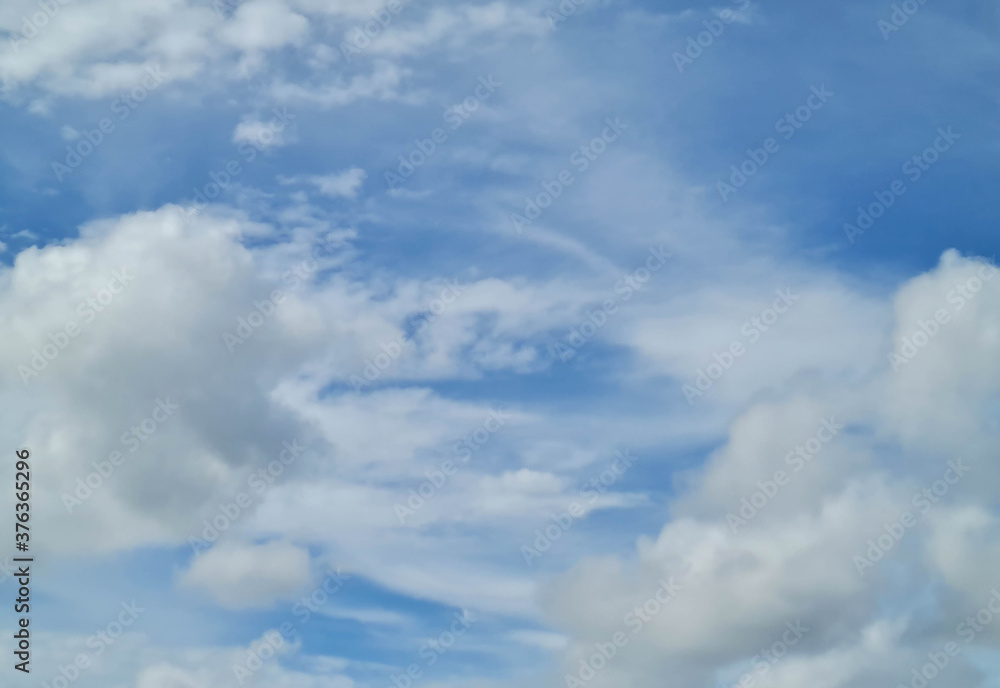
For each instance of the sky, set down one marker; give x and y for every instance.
(423, 344)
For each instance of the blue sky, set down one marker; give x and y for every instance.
(264, 101)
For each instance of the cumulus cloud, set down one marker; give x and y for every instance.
(88, 317)
(264, 25)
(794, 425)
(752, 552)
(240, 576)
(95, 48)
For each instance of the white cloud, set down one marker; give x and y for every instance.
(262, 135)
(264, 25)
(136, 660)
(384, 82)
(459, 25)
(293, 378)
(241, 576)
(795, 558)
(344, 184)
(168, 676)
(367, 616)
(95, 48)
(101, 384)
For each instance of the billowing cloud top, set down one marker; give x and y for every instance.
(361, 344)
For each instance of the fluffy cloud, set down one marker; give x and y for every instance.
(145, 434)
(264, 25)
(238, 576)
(95, 48)
(792, 555)
(157, 375)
